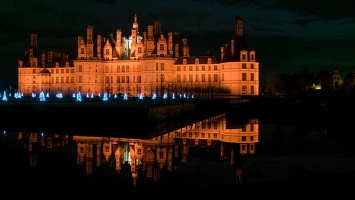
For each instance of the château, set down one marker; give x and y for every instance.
(151, 64)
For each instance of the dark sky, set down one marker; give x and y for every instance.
(286, 35)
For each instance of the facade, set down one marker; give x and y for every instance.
(152, 64)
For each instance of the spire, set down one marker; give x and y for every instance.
(135, 22)
(238, 27)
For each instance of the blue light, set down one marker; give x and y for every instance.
(59, 95)
(4, 98)
(17, 95)
(42, 97)
(78, 96)
(105, 98)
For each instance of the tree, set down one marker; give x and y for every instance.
(323, 79)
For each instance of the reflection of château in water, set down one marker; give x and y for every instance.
(35, 141)
(150, 156)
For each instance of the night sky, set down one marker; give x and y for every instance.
(286, 35)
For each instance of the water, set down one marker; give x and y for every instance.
(223, 154)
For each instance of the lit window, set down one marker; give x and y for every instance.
(244, 76)
(244, 89)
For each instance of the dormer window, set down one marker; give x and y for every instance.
(184, 61)
(252, 56)
(243, 55)
(209, 61)
(197, 61)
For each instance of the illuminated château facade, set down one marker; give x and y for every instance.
(141, 65)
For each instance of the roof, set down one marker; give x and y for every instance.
(44, 71)
(191, 60)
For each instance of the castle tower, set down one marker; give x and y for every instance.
(134, 35)
(149, 41)
(134, 30)
(81, 47)
(119, 46)
(176, 43)
(89, 41)
(118, 37)
(33, 44)
(170, 43)
(157, 28)
(99, 46)
(43, 59)
(185, 48)
(150, 33)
